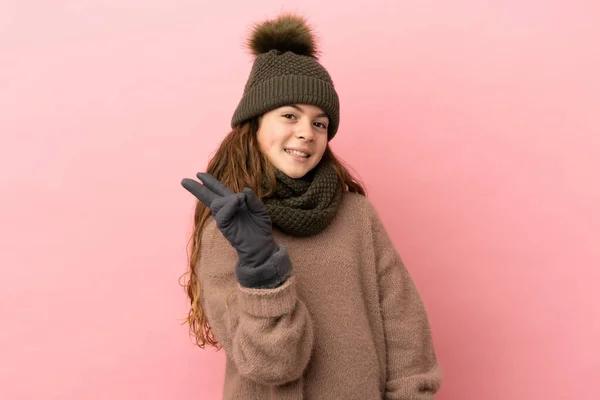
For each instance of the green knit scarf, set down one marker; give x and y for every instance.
(305, 206)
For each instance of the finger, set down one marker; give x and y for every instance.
(213, 184)
(254, 204)
(225, 208)
(201, 192)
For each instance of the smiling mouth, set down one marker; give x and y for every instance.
(297, 153)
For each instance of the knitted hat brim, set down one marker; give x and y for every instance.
(285, 90)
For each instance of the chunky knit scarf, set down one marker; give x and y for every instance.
(305, 206)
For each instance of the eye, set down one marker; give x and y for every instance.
(288, 116)
(321, 125)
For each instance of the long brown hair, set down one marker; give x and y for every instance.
(238, 163)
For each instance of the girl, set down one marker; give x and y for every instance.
(291, 269)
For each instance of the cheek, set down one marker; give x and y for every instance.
(273, 140)
(266, 140)
(272, 144)
(323, 145)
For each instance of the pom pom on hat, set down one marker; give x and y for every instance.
(288, 32)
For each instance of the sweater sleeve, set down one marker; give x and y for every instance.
(412, 368)
(266, 333)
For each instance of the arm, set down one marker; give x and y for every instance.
(412, 369)
(254, 312)
(267, 333)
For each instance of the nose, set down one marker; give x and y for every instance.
(304, 130)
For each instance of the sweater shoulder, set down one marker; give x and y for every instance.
(360, 210)
(359, 206)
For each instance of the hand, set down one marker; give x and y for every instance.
(241, 217)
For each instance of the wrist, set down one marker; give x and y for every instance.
(271, 273)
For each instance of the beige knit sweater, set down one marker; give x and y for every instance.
(348, 324)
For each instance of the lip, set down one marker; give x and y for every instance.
(297, 158)
(301, 149)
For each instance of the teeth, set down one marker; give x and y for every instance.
(297, 153)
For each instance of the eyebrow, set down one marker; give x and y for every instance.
(297, 107)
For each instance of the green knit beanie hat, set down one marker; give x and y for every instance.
(286, 71)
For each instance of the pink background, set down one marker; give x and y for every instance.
(474, 124)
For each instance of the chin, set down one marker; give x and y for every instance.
(296, 173)
(293, 169)
(296, 176)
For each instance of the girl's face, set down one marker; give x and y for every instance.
(294, 138)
